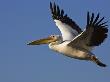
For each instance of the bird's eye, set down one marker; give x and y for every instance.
(52, 36)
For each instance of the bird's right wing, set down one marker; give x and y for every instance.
(94, 34)
(69, 29)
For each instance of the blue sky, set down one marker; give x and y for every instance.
(24, 20)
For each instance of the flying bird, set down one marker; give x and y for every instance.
(73, 42)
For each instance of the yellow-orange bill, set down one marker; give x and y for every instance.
(41, 41)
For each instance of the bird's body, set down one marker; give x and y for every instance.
(74, 42)
(69, 51)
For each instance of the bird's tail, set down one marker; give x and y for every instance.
(97, 61)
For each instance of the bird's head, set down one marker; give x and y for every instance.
(50, 39)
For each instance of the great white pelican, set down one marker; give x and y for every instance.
(73, 42)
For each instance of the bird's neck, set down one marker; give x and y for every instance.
(54, 45)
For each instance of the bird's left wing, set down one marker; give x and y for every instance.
(69, 29)
(94, 34)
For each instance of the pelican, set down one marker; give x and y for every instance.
(73, 42)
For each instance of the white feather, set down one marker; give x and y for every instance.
(68, 33)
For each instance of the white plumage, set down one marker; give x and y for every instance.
(67, 32)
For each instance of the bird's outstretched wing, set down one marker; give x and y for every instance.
(69, 29)
(94, 34)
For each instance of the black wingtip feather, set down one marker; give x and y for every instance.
(96, 19)
(92, 18)
(51, 6)
(99, 28)
(103, 24)
(88, 18)
(58, 10)
(62, 13)
(54, 7)
(100, 21)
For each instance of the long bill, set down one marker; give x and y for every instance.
(42, 41)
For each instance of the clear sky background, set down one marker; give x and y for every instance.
(22, 21)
